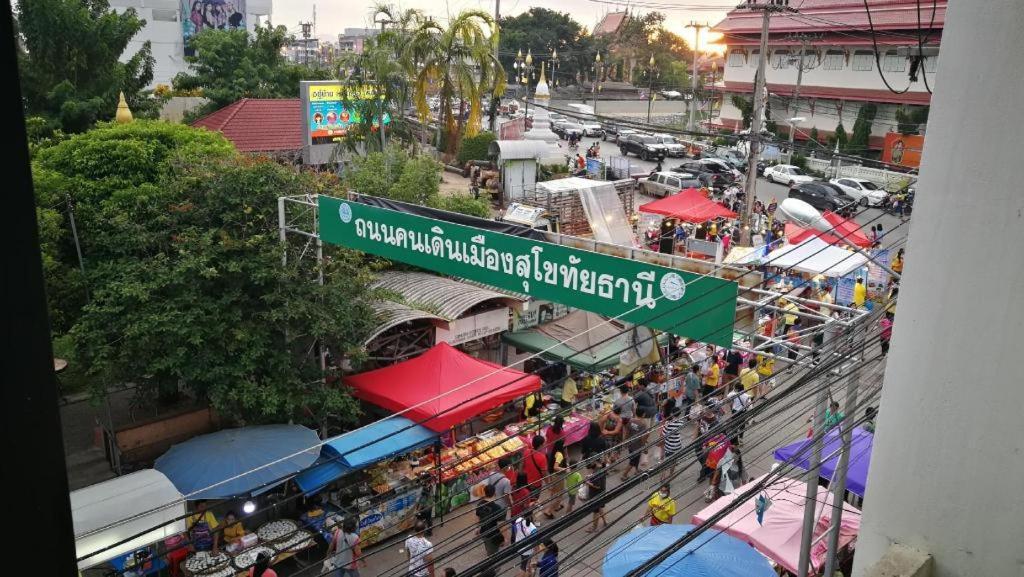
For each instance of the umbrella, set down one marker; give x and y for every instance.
(711, 554)
(238, 461)
(860, 457)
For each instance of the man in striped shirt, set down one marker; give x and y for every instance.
(671, 436)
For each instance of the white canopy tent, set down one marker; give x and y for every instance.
(146, 497)
(816, 256)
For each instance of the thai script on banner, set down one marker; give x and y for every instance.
(642, 293)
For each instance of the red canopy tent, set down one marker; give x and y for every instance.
(689, 205)
(796, 235)
(419, 384)
(847, 230)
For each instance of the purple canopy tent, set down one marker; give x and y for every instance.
(860, 457)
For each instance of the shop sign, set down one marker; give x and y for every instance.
(388, 517)
(474, 327)
(538, 313)
(633, 291)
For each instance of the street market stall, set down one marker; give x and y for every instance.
(815, 256)
(583, 340)
(690, 205)
(710, 554)
(777, 534)
(238, 462)
(860, 457)
(147, 498)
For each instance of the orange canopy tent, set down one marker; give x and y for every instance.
(689, 205)
(442, 387)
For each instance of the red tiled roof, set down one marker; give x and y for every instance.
(610, 23)
(258, 124)
(836, 93)
(839, 15)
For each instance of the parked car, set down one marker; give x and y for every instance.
(707, 180)
(725, 173)
(672, 146)
(669, 183)
(645, 146)
(862, 190)
(610, 129)
(624, 132)
(824, 196)
(786, 174)
(734, 157)
(590, 127)
(671, 94)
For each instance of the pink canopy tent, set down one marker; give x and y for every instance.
(689, 205)
(779, 537)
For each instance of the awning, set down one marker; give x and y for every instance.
(860, 457)
(236, 462)
(447, 297)
(146, 498)
(847, 230)
(710, 554)
(816, 256)
(593, 343)
(689, 205)
(442, 387)
(325, 470)
(778, 535)
(796, 234)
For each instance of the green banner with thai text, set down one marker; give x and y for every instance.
(676, 301)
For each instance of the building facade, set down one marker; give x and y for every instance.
(353, 39)
(168, 22)
(842, 69)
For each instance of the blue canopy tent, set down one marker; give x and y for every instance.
(382, 439)
(236, 462)
(711, 554)
(861, 442)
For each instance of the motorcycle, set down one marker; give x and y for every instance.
(899, 203)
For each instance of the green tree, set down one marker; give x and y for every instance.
(70, 66)
(839, 136)
(232, 64)
(544, 31)
(184, 267)
(458, 61)
(813, 134)
(910, 120)
(862, 128)
(746, 108)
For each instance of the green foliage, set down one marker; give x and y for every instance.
(910, 120)
(463, 204)
(799, 161)
(475, 147)
(419, 182)
(183, 262)
(746, 108)
(69, 62)
(862, 128)
(813, 134)
(839, 136)
(232, 64)
(543, 31)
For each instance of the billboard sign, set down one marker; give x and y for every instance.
(200, 15)
(637, 292)
(329, 110)
(903, 149)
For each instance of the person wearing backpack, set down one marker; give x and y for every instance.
(522, 528)
(490, 520)
(344, 551)
(535, 465)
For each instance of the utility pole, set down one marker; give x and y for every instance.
(767, 7)
(494, 107)
(595, 87)
(307, 31)
(805, 42)
(650, 87)
(691, 123)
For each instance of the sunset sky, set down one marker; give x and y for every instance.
(333, 17)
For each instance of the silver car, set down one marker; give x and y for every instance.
(669, 183)
(672, 146)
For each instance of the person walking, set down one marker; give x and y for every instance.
(691, 389)
(490, 521)
(833, 416)
(522, 528)
(661, 507)
(626, 404)
(635, 446)
(572, 483)
(420, 553)
(612, 425)
(535, 465)
(502, 487)
(595, 490)
(793, 338)
(556, 479)
(344, 551)
(740, 403)
(750, 379)
(671, 436)
(548, 564)
(860, 293)
(593, 443)
(520, 496)
(886, 333)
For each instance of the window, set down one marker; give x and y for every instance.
(849, 183)
(780, 59)
(754, 57)
(834, 60)
(160, 15)
(672, 182)
(736, 58)
(863, 60)
(894, 63)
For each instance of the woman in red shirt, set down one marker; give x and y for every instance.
(520, 496)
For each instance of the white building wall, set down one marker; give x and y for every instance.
(947, 469)
(166, 35)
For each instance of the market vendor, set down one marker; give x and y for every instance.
(202, 530)
(233, 529)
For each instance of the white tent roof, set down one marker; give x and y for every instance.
(138, 494)
(816, 256)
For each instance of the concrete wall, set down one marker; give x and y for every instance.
(166, 35)
(947, 469)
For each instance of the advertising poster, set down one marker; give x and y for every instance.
(334, 108)
(903, 149)
(199, 15)
(389, 517)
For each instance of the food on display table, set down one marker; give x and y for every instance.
(205, 562)
(227, 571)
(274, 530)
(301, 539)
(478, 452)
(247, 558)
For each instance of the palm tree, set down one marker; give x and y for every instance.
(459, 62)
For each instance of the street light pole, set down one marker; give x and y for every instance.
(650, 87)
(750, 187)
(691, 122)
(595, 86)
